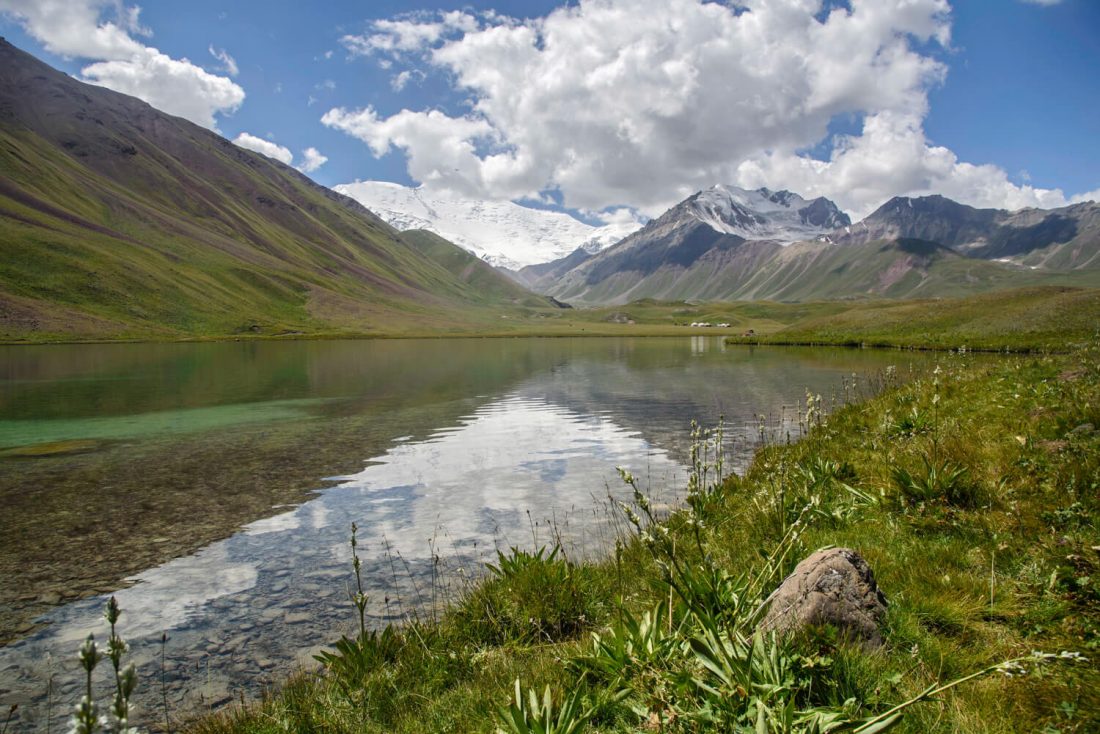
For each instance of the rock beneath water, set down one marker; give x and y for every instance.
(835, 587)
(218, 700)
(233, 644)
(297, 617)
(271, 614)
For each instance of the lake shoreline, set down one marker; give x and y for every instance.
(116, 443)
(1024, 320)
(921, 578)
(655, 332)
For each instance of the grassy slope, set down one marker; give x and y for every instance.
(1031, 318)
(118, 221)
(1008, 566)
(815, 271)
(902, 269)
(188, 278)
(484, 281)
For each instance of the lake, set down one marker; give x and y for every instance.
(212, 486)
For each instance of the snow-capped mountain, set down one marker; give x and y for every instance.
(764, 214)
(727, 243)
(501, 232)
(723, 230)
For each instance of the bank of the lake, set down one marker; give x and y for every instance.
(994, 558)
(210, 486)
(1036, 320)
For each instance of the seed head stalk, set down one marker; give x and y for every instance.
(358, 598)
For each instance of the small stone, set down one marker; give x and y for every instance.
(271, 614)
(297, 617)
(233, 644)
(218, 700)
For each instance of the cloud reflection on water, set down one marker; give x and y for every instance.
(465, 490)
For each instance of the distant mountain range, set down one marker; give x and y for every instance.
(502, 233)
(119, 220)
(727, 243)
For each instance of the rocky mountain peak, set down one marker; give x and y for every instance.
(762, 214)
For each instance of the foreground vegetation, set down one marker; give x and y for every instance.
(972, 493)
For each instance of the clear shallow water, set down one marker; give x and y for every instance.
(441, 451)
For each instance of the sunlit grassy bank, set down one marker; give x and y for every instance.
(1029, 319)
(971, 491)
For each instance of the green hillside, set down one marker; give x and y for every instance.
(894, 269)
(811, 271)
(119, 221)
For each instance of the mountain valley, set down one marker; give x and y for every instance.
(122, 222)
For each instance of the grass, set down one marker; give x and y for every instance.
(204, 241)
(1028, 319)
(972, 493)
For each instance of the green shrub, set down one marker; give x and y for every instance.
(531, 716)
(528, 598)
(938, 482)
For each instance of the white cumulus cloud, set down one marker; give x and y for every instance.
(641, 102)
(312, 159)
(409, 32)
(264, 147)
(891, 156)
(440, 149)
(103, 31)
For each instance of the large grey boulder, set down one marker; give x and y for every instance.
(833, 586)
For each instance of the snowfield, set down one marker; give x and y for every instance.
(500, 232)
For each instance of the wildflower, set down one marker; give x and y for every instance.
(1072, 655)
(85, 718)
(111, 613)
(90, 654)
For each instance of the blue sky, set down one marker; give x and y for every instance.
(992, 102)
